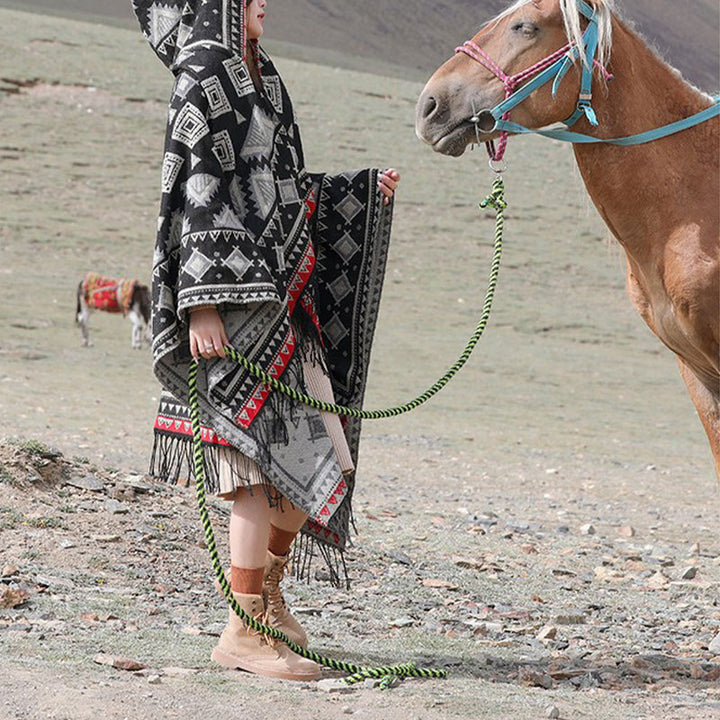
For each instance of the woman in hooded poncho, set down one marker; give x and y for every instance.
(287, 266)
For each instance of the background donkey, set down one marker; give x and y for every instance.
(129, 297)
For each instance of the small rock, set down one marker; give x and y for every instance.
(105, 538)
(11, 598)
(517, 526)
(689, 573)
(346, 710)
(116, 508)
(118, 662)
(570, 619)
(331, 685)
(658, 581)
(714, 646)
(587, 529)
(552, 712)
(625, 531)
(10, 570)
(440, 584)
(306, 610)
(138, 483)
(67, 544)
(468, 563)
(402, 622)
(493, 628)
(532, 678)
(549, 632)
(154, 680)
(87, 483)
(609, 574)
(694, 549)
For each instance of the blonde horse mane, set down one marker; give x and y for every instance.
(572, 20)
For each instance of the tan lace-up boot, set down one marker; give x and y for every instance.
(243, 648)
(277, 612)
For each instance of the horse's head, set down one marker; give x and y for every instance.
(525, 34)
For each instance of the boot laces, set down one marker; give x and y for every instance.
(276, 606)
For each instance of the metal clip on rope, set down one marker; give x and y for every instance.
(357, 673)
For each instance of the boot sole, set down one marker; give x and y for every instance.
(233, 662)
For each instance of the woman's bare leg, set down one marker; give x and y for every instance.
(249, 536)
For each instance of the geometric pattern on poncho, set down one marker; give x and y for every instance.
(295, 262)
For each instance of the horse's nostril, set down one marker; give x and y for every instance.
(429, 108)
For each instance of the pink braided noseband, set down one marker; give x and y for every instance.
(511, 82)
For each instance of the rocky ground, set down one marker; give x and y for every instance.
(536, 607)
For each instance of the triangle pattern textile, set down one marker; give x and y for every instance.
(294, 261)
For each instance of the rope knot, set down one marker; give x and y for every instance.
(496, 198)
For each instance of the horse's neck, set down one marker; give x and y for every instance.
(642, 191)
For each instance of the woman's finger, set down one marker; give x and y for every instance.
(223, 342)
(218, 345)
(193, 346)
(206, 347)
(386, 191)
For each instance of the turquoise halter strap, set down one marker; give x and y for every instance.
(556, 72)
(639, 139)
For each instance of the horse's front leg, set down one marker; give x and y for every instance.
(83, 319)
(707, 405)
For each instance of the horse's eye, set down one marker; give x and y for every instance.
(527, 29)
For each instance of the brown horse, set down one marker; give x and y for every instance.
(659, 200)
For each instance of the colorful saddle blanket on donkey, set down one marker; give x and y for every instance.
(108, 294)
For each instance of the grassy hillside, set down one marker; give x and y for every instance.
(416, 35)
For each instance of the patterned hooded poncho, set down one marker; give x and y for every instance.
(294, 262)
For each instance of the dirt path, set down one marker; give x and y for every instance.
(546, 530)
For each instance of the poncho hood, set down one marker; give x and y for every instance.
(176, 28)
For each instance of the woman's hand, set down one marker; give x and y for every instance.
(388, 180)
(207, 333)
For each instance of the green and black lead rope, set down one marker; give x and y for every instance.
(496, 199)
(358, 673)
